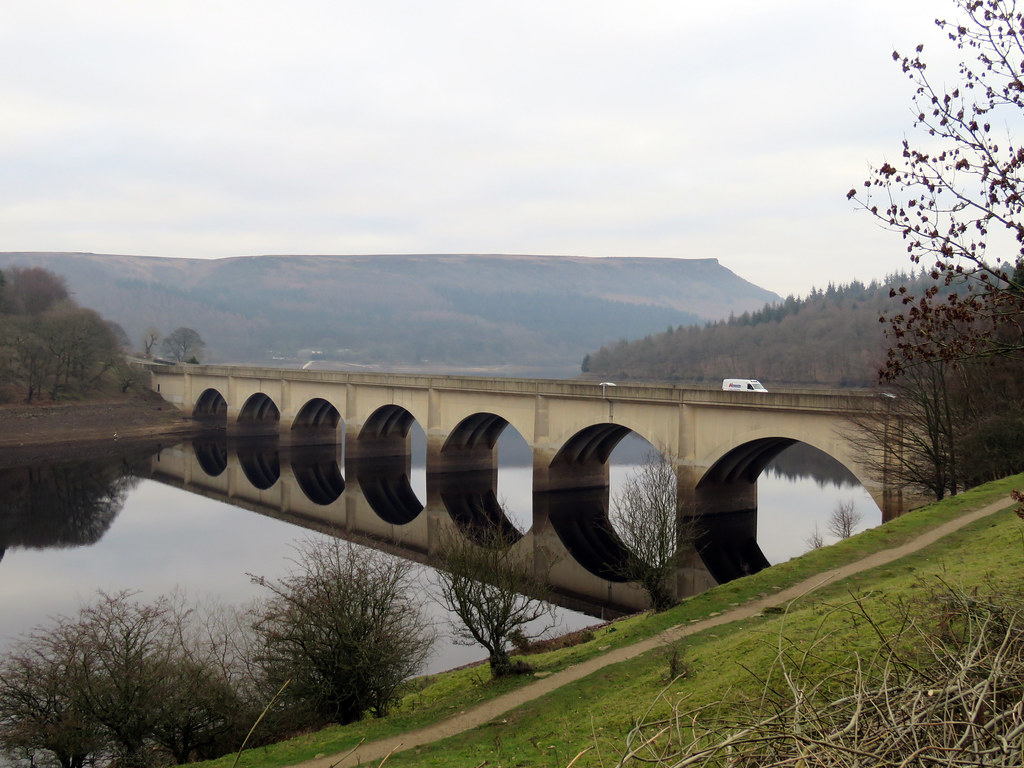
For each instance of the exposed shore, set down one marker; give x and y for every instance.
(52, 431)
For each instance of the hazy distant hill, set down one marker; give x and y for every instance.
(438, 311)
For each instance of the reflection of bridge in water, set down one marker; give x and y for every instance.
(373, 503)
(720, 442)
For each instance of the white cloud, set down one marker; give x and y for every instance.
(213, 129)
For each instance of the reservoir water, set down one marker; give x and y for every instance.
(66, 533)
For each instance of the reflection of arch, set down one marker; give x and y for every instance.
(259, 409)
(725, 499)
(261, 464)
(316, 471)
(580, 519)
(579, 511)
(469, 484)
(318, 415)
(386, 488)
(211, 406)
(472, 502)
(212, 455)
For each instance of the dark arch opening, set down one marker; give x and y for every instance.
(211, 407)
(259, 415)
(316, 422)
(590, 446)
(468, 482)
(261, 463)
(317, 473)
(577, 507)
(380, 459)
(725, 501)
(212, 455)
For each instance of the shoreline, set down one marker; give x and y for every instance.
(69, 430)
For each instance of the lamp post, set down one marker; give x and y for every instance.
(604, 385)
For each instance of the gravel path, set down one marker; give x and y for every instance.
(489, 710)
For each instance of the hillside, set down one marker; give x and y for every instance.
(811, 613)
(522, 313)
(831, 338)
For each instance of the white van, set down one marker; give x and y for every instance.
(743, 385)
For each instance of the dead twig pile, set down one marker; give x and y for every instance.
(943, 691)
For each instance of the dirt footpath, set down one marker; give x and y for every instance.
(30, 433)
(489, 710)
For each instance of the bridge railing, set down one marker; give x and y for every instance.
(803, 399)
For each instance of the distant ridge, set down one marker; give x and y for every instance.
(508, 313)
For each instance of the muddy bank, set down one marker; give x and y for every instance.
(53, 431)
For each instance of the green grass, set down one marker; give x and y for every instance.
(597, 712)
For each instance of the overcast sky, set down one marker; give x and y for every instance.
(645, 128)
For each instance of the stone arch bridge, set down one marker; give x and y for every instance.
(721, 441)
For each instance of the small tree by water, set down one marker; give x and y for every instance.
(344, 628)
(646, 516)
(496, 594)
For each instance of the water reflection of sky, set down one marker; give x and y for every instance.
(167, 538)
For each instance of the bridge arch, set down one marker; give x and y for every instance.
(751, 450)
(317, 416)
(578, 511)
(582, 461)
(259, 414)
(379, 453)
(211, 406)
(468, 482)
(724, 499)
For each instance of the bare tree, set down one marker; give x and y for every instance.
(33, 290)
(183, 344)
(82, 348)
(844, 520)
(646, 516)
(42, 717)
(344, 628)
(815, 540)
(943, 426)
(149, 341)
(959, 183)
(495, 592)
(120, 681)
(30, 363)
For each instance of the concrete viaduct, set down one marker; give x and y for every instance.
(721, 440)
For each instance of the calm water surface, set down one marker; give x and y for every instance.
(164, 538)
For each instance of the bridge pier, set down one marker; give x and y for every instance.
(552, 474)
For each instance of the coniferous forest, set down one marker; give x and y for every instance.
(832, 338)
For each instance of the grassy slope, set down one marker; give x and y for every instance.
(598, 711)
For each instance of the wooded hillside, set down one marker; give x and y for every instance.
(831, 338)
